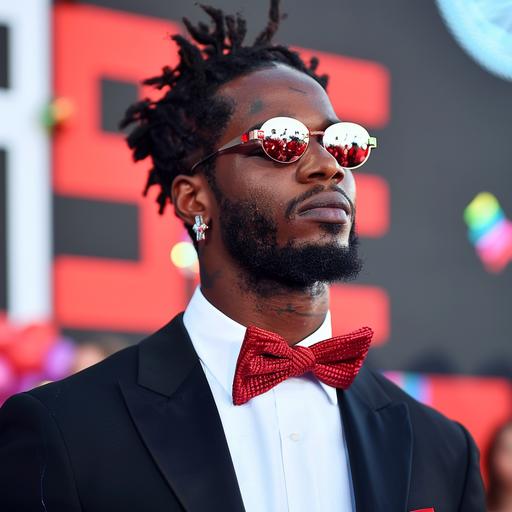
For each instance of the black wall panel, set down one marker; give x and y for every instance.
(96, 228)
(116, 96)
(4, 57)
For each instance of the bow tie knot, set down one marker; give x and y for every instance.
(302, 360)
(266, 359)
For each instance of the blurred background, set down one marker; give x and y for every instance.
(87, 266)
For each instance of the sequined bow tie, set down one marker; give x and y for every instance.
(266, 359)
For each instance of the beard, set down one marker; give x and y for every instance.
(250, 237)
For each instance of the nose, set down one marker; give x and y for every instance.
(318, 165)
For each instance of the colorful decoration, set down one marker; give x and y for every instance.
(489, 231)
(60, 359)
(31, 355)
(415, 384)
(58, 112)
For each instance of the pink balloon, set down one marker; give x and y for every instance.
(7, 376)
(29, 352)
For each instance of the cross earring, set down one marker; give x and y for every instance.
(199, 227)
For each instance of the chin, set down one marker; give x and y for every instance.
(339, 240)
(322, 233)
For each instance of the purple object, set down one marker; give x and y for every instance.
(29, 381)
(59, 360)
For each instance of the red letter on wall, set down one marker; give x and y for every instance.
(99, 293)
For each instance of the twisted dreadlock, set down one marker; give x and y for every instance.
(167, 129)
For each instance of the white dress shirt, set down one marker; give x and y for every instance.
(287, 445)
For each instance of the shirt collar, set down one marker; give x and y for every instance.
(217, 340)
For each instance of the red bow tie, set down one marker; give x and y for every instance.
(266, 359)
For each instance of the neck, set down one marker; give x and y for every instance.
(294, 314)
(505, 501)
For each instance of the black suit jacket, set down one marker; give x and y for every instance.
(140, 432)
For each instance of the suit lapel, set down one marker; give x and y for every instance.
(379, 441)
(176, 417)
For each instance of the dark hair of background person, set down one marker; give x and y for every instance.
(494, 484)
(189, 118)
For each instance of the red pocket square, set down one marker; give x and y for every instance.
(424, 510)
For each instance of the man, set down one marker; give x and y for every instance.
(245, 402)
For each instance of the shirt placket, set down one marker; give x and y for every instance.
(292, 418)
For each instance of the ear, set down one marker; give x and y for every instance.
(190, 197)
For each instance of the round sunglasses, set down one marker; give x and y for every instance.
(285, 140)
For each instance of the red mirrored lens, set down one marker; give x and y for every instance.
(349, 157)
(348, 143)
(284, 150)
(284, 139)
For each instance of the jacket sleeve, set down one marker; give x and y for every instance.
(473, 496)
(35, 471)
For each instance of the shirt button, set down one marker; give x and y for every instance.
(294, 436)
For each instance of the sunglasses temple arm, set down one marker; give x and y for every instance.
(231, 144)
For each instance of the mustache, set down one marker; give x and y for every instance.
(317, 189)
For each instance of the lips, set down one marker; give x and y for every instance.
(330, 200)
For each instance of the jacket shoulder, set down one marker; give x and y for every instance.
(94, 379)
(104, 376)
(422, 416)
(442, 446)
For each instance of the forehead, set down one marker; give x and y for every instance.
(276, 91)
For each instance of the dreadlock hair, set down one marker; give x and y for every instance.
(189, 117)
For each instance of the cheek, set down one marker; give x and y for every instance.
(255, 179)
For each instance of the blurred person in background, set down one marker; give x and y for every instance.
(94, 350)
(498, 463)
(245, 401)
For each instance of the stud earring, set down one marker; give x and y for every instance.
(199, 227)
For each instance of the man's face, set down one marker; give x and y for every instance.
(261, 212)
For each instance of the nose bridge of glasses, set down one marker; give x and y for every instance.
(327, 168)
(317, 138)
